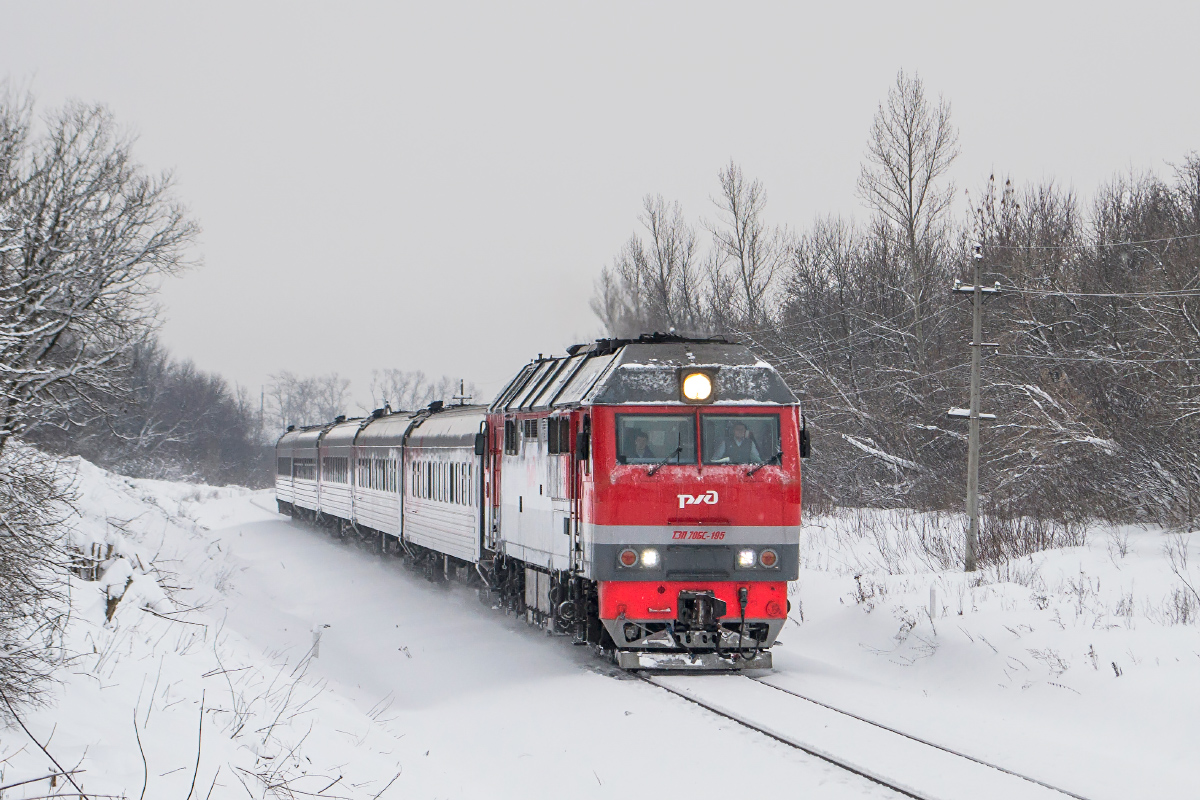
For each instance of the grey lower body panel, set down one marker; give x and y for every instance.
(708, 661)
(686, 562)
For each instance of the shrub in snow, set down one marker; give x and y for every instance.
(34, 502)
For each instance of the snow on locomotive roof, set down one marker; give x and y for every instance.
(546, 369)
(553, 387)
(643, 370)
(649, 373)
(455, 426)
(589, 372)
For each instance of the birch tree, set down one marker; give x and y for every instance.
(909, 151)
(747, 254)
(410, 390)
(654, 283)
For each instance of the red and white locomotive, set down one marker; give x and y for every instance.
(640, 494)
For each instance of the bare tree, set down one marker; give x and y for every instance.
(330, 394)
(746, 253)
(655, 284)
(1098, 373)
(910, 148)
(664, 282)
(402, 390)
(84, 233)
(410, 390)
(611, 301)
(291, 400)
(176, 422)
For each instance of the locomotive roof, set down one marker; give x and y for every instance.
(643, 370)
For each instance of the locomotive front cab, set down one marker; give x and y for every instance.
(696, 507)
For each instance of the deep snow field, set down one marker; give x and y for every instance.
(1079, 666)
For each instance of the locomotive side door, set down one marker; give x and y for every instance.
(558, 475)
(578, 463)
(499, 434)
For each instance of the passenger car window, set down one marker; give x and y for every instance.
(739, 439)
(650, 438)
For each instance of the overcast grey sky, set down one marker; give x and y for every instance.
(435, 186)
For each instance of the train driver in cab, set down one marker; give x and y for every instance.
(738, 448)
(641, 447)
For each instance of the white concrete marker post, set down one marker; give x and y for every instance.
(318, 629)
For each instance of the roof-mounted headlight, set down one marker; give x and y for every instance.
(696, 387)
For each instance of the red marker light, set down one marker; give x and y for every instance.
(628, 558)
(768, 558)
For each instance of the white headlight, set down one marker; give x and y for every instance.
(697, 387)
(650, 557)
(746, 558)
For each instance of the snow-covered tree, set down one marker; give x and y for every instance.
(85, 233)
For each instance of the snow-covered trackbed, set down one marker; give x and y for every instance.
(886, 756)
(420, 691)
(907, 764)
(480, 703)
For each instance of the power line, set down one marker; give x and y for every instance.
(1093, 244)
(1102, 359)
(884, 387)
(1056, 293)
(808, 321)
(871, 326)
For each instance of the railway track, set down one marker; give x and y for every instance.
(906, 764)
(898, 761)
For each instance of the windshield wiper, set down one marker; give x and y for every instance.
(762, 464)
(663, 463)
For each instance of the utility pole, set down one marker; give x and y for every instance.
(977, 292)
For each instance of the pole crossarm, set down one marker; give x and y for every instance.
(966, 412)
(959, 286)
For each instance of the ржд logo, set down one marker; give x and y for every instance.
(709, 497)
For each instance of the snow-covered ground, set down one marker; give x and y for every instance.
(417, 690)
(1078, 665)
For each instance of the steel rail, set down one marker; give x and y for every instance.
(918, 739)
(878, 779)
(857, 770)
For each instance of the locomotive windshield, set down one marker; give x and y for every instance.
(739, 439)
(650, 438)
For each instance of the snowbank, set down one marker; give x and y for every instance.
(1078, 665)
